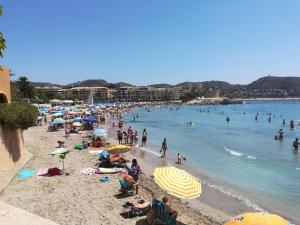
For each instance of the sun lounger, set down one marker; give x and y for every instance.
(161, 214)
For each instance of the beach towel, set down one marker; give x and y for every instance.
(104, 179)
(27, 173)
(54, 171)
(78, 147)
(95, 152)
(88, 171)
(42, 171)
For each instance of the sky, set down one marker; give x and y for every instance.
(151, 41)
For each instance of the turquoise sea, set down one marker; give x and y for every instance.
(241, 157)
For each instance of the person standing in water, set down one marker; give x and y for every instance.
(164, 147)
(292, 124)
(283, 122)
(144, 138)
(227, 119)
(296, 144)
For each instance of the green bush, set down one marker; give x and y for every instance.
(18, 114)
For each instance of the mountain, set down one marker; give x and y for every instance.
(161, 85)
(96, 83)
(44, 84)
(289, 84)
(269, 86)
(88, 83)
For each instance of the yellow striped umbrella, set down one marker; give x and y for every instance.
(118, 149)
(258, 219)
(177, 182)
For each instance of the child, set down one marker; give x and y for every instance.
(179, 158)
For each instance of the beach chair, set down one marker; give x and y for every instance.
(125, 188)
(161, 214)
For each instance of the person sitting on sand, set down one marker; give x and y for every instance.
(167, 202)
(131, 183)
(61, 144)
(134, 170)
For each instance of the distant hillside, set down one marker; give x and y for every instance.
(96, 83)
(44, 84)
(88, 83)
(161, 85)
(289, 84)
(268, 86)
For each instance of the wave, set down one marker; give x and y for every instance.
(147, 150)
(251, 157)
(238, 154)
(235, 195)
(234, 153)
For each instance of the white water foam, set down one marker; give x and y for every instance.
(238, 154)
(147, 150)
(237, 196)
(251, 157)
(234, 153)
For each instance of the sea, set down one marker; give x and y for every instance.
(240, 157)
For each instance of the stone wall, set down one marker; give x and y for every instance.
(12, 153)
(5, 84)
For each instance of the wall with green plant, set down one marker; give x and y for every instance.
(18, 114)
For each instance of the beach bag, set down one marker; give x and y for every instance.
(78, 147)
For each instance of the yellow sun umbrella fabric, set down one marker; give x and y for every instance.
(118, 149)
(258, 219)
(177, 182)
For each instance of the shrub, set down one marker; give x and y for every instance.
(18, 114)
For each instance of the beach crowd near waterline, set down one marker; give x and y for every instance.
(83, 135)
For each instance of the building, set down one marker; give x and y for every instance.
(82, 93)
(5, 92)
(12, 153)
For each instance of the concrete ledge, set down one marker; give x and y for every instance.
(10, 215)
(18, 166)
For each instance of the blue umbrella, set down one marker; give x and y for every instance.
(90, 119)
(56, 122)
(58, 114)
(100, 132)
(77, 119)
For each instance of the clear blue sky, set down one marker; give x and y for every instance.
(151, 41)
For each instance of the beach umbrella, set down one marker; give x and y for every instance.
(77, 124)
(60, 120)
(258, 218)
(77, 119)
(118, 149)
(90, 119)
(177, 182)
(56, 123)
(100, 132)
(58, 114)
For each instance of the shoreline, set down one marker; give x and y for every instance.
(81, 199)
(211, 198)
(214, 193)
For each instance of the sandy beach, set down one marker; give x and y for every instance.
(82, 199)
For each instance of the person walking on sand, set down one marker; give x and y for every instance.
(164, 147)
(144, 138)
(120, 136)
